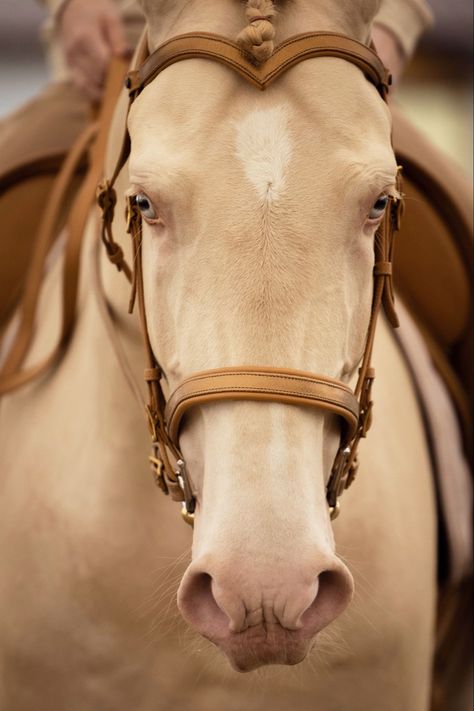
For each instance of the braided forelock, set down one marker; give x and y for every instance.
(257, 38)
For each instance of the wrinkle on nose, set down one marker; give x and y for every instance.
(264, 614)
(281, 609)
(278, 608)
(219, 604)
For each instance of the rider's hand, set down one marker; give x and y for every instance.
(91, 32)
(389, 50)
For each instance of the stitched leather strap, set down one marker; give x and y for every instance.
(11, 374)
(205, 45)
(291, 387)
(9, 377)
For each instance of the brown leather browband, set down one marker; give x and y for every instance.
(295, 50)
(252, 382)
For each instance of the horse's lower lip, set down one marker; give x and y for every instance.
(259, 646)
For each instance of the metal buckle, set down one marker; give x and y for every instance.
(152, 422)
(131, 213)
(189, 504)
(365, 419)
(337, 481)
(181, 474)
(335, 510)
(398, 205)
(186, 516)
(339, 470)
(352, 473)
(366, 404)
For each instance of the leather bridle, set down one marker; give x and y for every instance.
(252, 382)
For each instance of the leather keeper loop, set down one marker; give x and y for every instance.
(383, 269)
(152, 374)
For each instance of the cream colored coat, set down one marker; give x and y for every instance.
(262, 254)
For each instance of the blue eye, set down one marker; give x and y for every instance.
(379, 208)
(146, 208)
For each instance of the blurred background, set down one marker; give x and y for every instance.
(436, 92)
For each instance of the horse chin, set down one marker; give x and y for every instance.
(263, 645)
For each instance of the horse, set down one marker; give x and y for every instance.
(259, 212)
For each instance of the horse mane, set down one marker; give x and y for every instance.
(257, 38)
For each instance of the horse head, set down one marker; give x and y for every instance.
(259, 215)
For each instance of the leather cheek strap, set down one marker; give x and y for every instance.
(290, 387)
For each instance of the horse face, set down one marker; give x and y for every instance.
(259, 215)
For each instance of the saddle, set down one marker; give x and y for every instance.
(34, 142)
(433, 265)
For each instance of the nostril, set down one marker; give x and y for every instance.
(218, 606)
(334, 594)
(198, 606)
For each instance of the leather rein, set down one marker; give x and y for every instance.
(251, 382)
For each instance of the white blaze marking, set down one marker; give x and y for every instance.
(263, 146)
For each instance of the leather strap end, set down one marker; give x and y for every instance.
(388, 301)
(115, 255)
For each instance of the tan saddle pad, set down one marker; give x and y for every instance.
(34, 141)
(433, 261)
